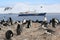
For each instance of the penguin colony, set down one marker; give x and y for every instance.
(19, 29)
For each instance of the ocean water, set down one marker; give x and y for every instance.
(15, 17)
(53, 15)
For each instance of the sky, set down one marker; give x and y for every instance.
(4, 3)
(50, 6)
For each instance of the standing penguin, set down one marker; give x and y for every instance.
(0, 28)
(28, 25)
(9, 34)
(19, 29)
(10, 20)
(44, 23)
(53, 22)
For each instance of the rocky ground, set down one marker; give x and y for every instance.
(35, 32)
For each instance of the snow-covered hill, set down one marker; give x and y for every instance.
(21, 7)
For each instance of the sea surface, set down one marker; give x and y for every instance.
(15, 17)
